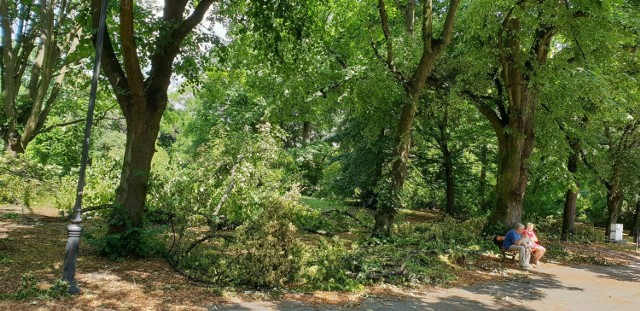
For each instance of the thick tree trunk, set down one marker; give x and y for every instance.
(569, 214)
(142, 132)
(142, 101)
(614, 198)
(514, 149)
(515, 127)
(513, 174)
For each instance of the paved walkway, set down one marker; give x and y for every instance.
(552, 287)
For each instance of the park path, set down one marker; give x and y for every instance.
(552, 287)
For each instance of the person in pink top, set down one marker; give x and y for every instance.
(537, 250)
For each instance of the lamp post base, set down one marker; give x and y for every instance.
(71, 258)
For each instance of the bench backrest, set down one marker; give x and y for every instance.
(498, 240)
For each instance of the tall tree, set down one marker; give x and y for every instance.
(433, 45)
(521, 39)
(143, 99)
(39, 39)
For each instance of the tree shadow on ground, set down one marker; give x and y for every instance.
(377, 304)
(630, 273)
(27, 243)
(524, 289)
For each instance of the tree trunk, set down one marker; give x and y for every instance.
(513, 174)
(447, 160)
(482, 201)
(402, 145)
(449, 182)
(514, 149)
(409, 13)
(142, 133)
(306, 131)
(614, 198)
(35, 25)
(636, 221)
(569, 214)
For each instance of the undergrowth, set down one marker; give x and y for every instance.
(29, 289)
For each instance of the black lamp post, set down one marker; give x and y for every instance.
(74, 229)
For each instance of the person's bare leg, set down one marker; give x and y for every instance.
(538, 252)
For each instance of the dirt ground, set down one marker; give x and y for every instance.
(39, 241)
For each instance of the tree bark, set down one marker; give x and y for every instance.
(306, 131)
(513, 174)
(569, 214)
(636, 221)
(142, 133)
(482, 201)
(614, 198)
(447, 159)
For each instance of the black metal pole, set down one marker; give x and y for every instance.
(74, 229)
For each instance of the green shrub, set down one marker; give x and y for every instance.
(101, 179)
(21, 179)
(587, 234)
(136, 242)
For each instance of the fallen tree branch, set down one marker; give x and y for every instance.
(230, 187)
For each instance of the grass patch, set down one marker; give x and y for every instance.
(29, 289)
(4, 259)
(10, 215)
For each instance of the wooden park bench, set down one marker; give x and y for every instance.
(498, 240)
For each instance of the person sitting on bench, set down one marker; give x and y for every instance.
(537, 250)
(514, 240)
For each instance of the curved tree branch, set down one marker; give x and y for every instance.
(129, 51)
(110, 64)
